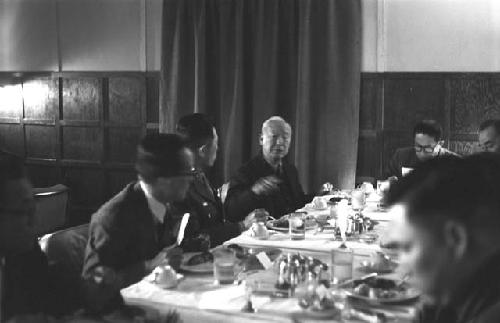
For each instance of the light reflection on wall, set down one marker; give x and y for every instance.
(14, 96)
(11, 101)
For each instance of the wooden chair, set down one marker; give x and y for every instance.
(51, 203)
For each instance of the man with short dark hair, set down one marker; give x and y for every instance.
(427, 145)
(489, 136)
(268, 180)
(25, 269)
(207, 211)
(135, 231)
(446, 226)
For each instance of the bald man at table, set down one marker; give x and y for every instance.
(268, 180)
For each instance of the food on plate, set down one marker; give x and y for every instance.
(379, 288)
(200, 258)
(381, 262)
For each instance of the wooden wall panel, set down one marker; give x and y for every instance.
(44, 175)
(88, 186)
(12, 138)
(122, 144)
(41, 141)
(81, 98)
(41, 97)
(407, 101)
(127, 96)
(472, 100)
(79, 129)
(82, 143)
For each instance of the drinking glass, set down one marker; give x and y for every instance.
(297, 227)
(342, 259)
(225, 265)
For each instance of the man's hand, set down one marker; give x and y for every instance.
(171, 255)
(266, 185)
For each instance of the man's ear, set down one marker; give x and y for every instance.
(456, 238)
(261, 139)
(202, 151)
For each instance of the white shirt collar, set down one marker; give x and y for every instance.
(157, 208)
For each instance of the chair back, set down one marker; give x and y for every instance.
(65, 250)
(51, 203)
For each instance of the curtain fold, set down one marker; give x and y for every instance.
(242, 61)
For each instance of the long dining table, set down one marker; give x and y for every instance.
(198, 299)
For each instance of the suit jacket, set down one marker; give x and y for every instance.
(123, 235)
(207, 214)
(241, 200)
(406, 157)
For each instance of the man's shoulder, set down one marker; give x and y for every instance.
(121, 206)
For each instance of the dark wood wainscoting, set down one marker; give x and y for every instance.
(391, 103)
(79, 129)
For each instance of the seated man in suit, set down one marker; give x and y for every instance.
(489, 136)
(24, 269)
(268, 180)
(135, 231)
(208, 214)
(447, 230)
(427, 145)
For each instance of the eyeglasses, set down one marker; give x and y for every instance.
(426, 149)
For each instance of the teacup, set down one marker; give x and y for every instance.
(319, 203)
(259, 231)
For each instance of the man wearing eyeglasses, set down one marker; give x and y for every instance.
(427, 145)
(136, 230)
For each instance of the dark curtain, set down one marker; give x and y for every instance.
(242, 61)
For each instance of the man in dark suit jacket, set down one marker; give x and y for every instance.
(207, 211)
(135, 231)
(267, 181)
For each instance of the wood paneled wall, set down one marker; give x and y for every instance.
(391, 103)
(80, 129)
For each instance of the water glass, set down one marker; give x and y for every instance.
(342, 259)
(225, 266)
(297, 227)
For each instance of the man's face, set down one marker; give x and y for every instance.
(210, 150)
(429, 263)
(426, 146)
(17, 208)
(489, 140)
(275, 140)
(170, 189)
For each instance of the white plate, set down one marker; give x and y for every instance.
(204, 268)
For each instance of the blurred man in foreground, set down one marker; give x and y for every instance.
(489, 136)
(136, 231)
(268, 180)
(447, 229)
(427, 145)
(24, 266)
(208, 213)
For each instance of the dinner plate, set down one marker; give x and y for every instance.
(410, 295)
(321, 314)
